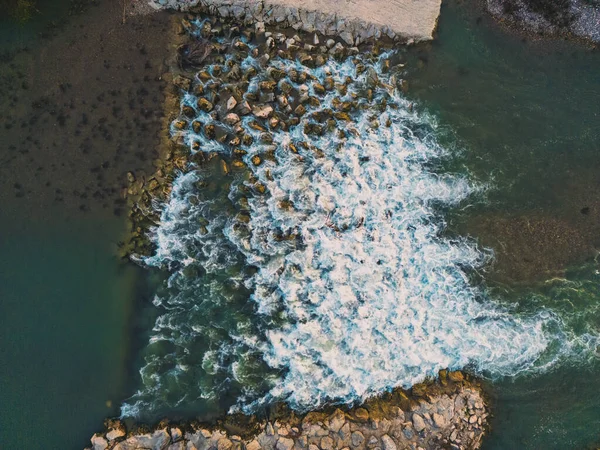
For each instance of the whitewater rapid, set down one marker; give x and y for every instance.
(340, 284)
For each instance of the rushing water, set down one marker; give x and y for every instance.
(365, 265)
(340, 282)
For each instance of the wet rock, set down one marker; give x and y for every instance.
(115, 434)
(182, 82)
(262, 111)
(231, 119)
(231, 103)
(456, 376)
(361, 414)
(98, 442)
(205, 105)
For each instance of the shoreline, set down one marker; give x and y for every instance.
(451, 412)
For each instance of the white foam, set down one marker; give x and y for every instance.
(364, 296)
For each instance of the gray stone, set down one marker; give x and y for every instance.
(387, 443)
(327, 443)
(114, 434)
(357, 439)
(284, 444)
(418, 422)
(98, 442)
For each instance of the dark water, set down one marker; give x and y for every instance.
(526, 115)
(67, 139)
(64, 315)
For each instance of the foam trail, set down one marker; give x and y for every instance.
(374, 297)
(354, 289)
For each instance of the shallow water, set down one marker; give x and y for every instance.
(67, 141)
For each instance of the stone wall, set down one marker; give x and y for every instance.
(448, 414)
(353, 21)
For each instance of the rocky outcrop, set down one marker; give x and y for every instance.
(571, 18)
(352, 21)
(446, 414)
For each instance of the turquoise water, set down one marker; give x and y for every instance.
(525, 115)
(504, 158)
(519, 117)
(64, 330)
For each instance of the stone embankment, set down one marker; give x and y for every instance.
(569, 18)
(449, 414)
(353, 21)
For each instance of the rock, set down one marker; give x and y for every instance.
(284, 444)
(180, 445)
(205, 105)
(313, 447)
(330, 43)
(231, 103)
(473, 419)
(268, 86)
(98, 442)
(269, 429)
(319, 88)
(224, 168)
(387, 443)
(336, 420)
(418, 422)
(244, 108)
(456, 376)
(231, 119)
(253, 445)
(176, 434)
(224, 444)
(114, 434)
(262, 111)
(373, 442)
(327, 443)
(361, 414)
(439, 420)
(182, 82)
(357, 439)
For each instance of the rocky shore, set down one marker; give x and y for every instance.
(450, 413)
(354, 22)
(570, 18)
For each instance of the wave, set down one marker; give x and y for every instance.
(340, 284)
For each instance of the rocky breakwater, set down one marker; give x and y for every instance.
(450, 413)
(354, 22)
(568, 18)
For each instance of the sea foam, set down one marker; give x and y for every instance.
(354, 288)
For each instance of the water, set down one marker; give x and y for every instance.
(527, 113)
(67, 141)
(64, 318)
(347, 258)
(500, 152)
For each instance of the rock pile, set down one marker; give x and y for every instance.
(354, 22)
(449, 414)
